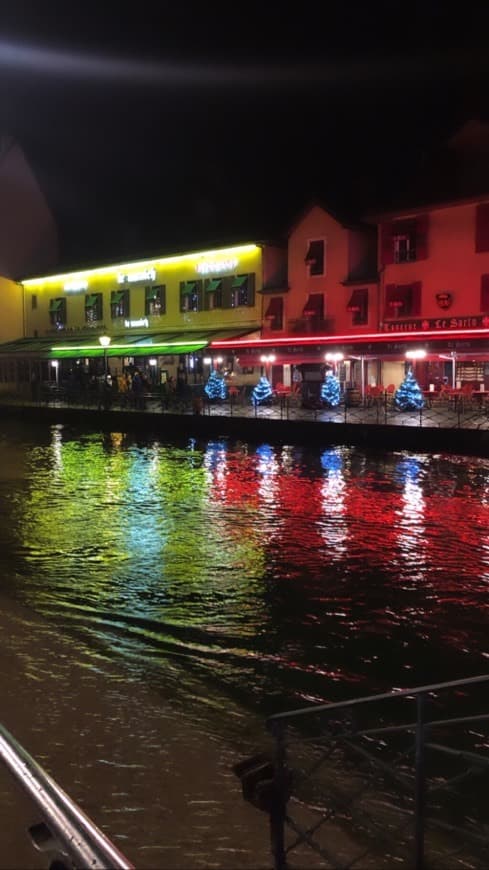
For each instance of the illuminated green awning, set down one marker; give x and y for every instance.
(152, 294)
(55, 304)
(116, 297)
(90, 301)
(213, 285)
(189, 287)
(123, 349)
(239, 281)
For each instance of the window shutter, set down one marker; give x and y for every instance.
(416, 299)
(484, 293)
(227, 292)
(251, 289)
(422, 236)
(386, 244)
(482, 228)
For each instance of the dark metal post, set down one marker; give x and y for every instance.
(279, 800)
(420, 783)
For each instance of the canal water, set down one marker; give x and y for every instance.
(212, 584)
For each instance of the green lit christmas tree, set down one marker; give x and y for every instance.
(330, 390)
(409, 396)
(262, 392)
(215, 387)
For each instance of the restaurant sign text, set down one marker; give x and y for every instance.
(469, 322)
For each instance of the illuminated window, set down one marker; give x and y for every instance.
(190, 296)
(213, 293)
(155, 301)
(119, 304)
(57, 313)
(93, 307)
(242, 291)
(315, 257)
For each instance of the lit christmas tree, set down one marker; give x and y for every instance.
(262, 392)
(409, 396)
(215, 387)
(330, 390)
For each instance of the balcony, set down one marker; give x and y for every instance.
(311, 326)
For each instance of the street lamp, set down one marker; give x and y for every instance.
(105, 341)
(267, 360)
(333, 358)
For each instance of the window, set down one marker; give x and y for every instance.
(315, 258)
(274, 314)
(402, 300)
(34, 301)
(403, 241)
(57, 313)
(213, 294)
(155, 300)
(358, 307)
(404, 247)
(119, 304)
(314, 306)
(482, 227)
(190, 296)
(242, 291)
(484, 301)
(93, 307)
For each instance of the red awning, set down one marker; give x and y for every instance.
(275, 308)
(358, 301)
(314, 305)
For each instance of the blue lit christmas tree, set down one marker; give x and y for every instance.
(215, 387)
(262, 392)
(330, 390)
(409, 396)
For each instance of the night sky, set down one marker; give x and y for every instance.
(163, 129)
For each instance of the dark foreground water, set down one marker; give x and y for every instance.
(277, 575)
(233, 581)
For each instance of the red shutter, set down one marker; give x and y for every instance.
(386, 244)
(416, 299)
(482, 227)
(422, 236)
(485, 293)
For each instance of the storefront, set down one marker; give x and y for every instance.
(443, 355)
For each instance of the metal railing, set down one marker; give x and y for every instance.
(361, 784)
(473, 414)
(68, 837)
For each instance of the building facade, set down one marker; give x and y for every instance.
(425, 293)
(158, 315)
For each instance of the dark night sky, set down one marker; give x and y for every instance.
(175, 127)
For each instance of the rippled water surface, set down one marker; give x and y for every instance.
(276, 575)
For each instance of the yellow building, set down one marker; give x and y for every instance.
(157, 314)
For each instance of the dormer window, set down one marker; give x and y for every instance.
(315, 257)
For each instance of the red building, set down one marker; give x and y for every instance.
(368, 293)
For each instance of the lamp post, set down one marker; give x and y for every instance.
(334, 359)
(105, 341)
(268, 360)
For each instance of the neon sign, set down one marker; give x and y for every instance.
(130, 324)
(207, 266)
(75, 286)
(144, 275)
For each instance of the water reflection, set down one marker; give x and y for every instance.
(280, 574)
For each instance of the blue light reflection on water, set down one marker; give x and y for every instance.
(279, 574)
